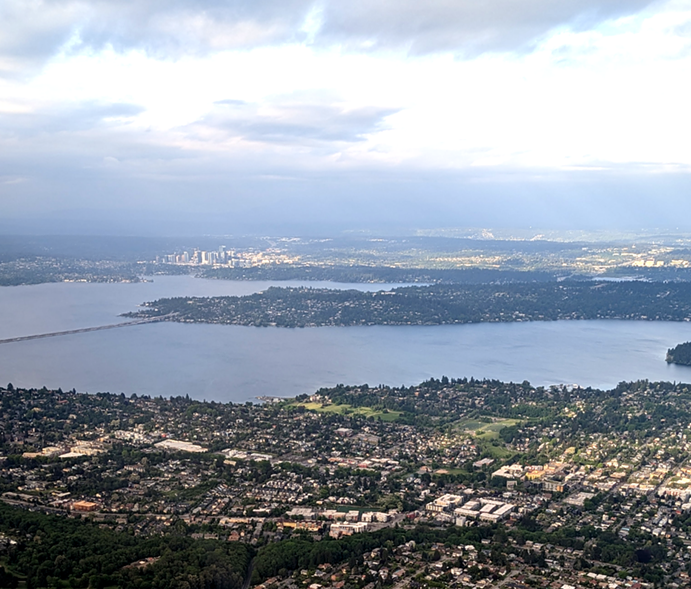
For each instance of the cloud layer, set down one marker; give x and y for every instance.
(465, 26)
(339, 114)
(292, 122)
(37, 29)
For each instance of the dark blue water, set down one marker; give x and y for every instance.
(233, 363)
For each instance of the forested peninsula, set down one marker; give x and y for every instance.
(433, 305)
(680, 354)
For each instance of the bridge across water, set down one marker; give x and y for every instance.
(82, 330)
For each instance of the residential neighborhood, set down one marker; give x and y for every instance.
(537, 501)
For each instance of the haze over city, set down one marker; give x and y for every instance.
(308, 117)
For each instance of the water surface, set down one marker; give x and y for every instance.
(45, 308)
(237, 363)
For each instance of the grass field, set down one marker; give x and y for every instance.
(384, 415)
(486, 430)
(499, 452)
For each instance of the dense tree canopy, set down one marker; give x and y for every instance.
(680, 354)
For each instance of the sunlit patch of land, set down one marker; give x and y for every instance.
(488, 430)
(383, 414)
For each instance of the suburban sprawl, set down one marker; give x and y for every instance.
(433, 305)
(469, 257)
(452, 483)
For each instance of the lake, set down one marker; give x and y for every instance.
(235, 363)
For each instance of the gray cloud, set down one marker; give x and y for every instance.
(33, 31)
(67, 119)
(298, 123)
(468, 26)
(201, 198)
(85, 169)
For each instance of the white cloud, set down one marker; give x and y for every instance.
(616, 95)
(611, 98)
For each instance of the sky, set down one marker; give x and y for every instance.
(312, 116)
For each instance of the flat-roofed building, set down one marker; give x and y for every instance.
(85, 506)
(347, 529)
(179, 446)
(445, 503)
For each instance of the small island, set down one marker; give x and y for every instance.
(680, 354)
